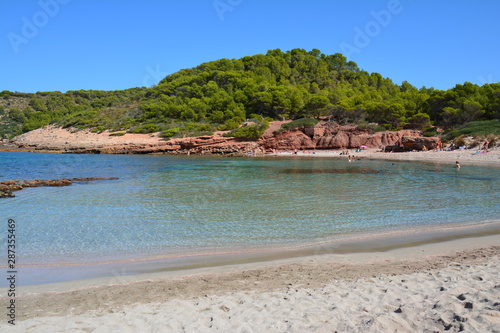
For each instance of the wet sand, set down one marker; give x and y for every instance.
(450, 286)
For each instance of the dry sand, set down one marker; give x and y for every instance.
(465, 157)
(450, 286)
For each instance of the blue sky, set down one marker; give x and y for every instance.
(49, 45)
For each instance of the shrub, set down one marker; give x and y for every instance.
(460, 141)
(362, 126)
(117, 134)
(303, 122)
(144, 129)
(389, 127)
(229, 125)
(379, 128)
(420, 120)
(431, 131)
(476, 128)
(204, 128)
(369, 126)
(252, 132)
(99, 129)
(255, 116)
(169, 133)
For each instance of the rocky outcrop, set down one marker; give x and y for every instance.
(53, 139)
(419, 143)
(7, 145)
(325, 135)
(330, 135)
(7, 187)
(203, 145)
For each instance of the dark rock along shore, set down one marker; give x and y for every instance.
(7, 187)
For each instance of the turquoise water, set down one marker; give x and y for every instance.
(166, 210)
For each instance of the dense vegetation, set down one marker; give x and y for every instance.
(100, 110)
(222, 94)
(476, 128)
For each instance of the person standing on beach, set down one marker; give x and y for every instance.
(486, 144)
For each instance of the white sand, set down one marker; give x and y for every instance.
(465, 157)
(429, 288)
(430, 301)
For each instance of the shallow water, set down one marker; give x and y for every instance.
(184, 211)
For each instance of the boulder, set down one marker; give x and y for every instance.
(418, 143)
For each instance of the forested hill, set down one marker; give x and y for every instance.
(221, 94)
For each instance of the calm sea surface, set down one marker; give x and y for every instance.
(165, 211)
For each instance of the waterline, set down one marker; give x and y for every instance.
(169, 212)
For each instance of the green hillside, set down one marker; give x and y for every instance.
(221, 94)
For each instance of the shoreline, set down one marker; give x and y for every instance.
(491, 158)
(465, 157)
(341, 244)
(62, 304)
(442, 284)
(52, 139)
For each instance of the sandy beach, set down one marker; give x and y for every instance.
(465, 156)
(450, 286)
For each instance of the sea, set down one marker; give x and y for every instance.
(166, 213)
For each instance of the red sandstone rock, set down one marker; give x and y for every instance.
(418, 143)
(325, 135)
(329, 135)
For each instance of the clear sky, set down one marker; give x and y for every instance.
(48, 45)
